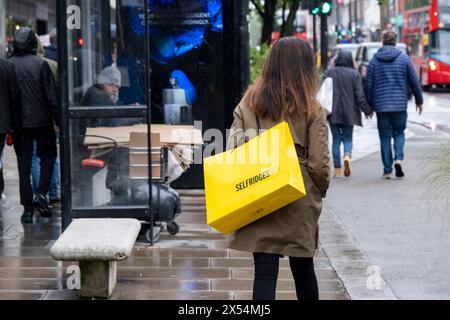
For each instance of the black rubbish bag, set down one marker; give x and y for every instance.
(166, 201)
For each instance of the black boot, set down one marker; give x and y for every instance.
(398, 169)
(2, 182)
(27, 217)
(40, 203)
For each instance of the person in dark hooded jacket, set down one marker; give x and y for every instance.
(389, 76)
(39, 115)
(348, 102)
(53, 192)
(10, 109)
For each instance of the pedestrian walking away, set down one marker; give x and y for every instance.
(348, 103)
(39, 116)
(53, 192)
(10, 110)
(51, 52)
(284, 92)
(389, 77)
(2, 180)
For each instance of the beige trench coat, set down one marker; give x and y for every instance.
(293, 230)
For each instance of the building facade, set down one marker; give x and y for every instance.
(40, 15)
(350, 17)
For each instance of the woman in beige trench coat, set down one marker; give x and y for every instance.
(286, 90)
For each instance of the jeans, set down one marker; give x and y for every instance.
(266, 277)
(392, 125)
(53, 191)
(341, 134)
(45, 139)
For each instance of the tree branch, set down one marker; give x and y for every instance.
(258, 7)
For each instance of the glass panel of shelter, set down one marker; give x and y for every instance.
(186, 40)
(107, 91)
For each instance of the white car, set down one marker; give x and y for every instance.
(352, 47)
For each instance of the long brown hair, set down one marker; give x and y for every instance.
(288, 84)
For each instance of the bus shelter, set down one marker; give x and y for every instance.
(146, 65)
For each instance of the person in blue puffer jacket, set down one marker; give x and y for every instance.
(389, 76)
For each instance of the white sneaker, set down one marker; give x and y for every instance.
(2, 198)
(387, 176)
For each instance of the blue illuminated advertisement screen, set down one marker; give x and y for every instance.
(177, 27)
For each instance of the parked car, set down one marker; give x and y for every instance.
(365, 54)
(352, 47)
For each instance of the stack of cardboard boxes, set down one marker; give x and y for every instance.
(179, 140)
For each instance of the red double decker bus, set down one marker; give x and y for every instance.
(427, 34)
(300, 26)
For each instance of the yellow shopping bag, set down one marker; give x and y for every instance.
(253, 180)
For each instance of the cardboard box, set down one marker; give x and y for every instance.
(168, 135)
(141, 157)
(141, 172)
(140, 140)
(172, 135)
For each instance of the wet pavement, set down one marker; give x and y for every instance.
(402, 230)
(196, 265)
(193, 265)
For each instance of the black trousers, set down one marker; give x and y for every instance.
(266, 276)
(45, 138)
(2, 146)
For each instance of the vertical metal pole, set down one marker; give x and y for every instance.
(397, 27)
(63, 102)
(388, 10)
(324, 41)
(149, 121)
(338, 22)
(2, 28)
(350, 17)
(338, 15)
(315, 34)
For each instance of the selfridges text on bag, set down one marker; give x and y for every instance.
(247, 183)
(325, 95)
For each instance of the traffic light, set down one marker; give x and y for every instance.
(326, 8)
(315, 11)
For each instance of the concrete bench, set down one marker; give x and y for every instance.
(97, 244)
